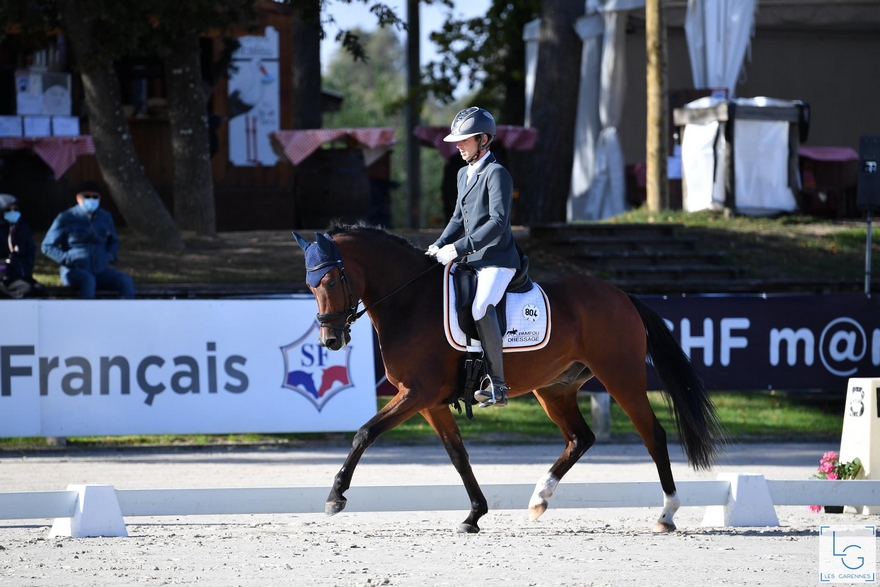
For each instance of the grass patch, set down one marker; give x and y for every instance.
(747, 416)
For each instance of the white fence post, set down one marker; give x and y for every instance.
(600, 407)
(97, 513)
(748, 504)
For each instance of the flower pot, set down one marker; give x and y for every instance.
(833, 509)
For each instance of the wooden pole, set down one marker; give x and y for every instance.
(413, 106)
(658, 134)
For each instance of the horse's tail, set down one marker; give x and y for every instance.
(696, 422)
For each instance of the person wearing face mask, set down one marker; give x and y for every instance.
(17, 251)
(82, 239)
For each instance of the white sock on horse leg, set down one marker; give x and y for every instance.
(671, 503)
(543, 491)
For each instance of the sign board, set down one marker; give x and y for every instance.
(37, 126)
(861, 430)
(56, 93)
(751, 342)
(42, 92)
(65, 126)
(114, 367)
(253, 102)
(10, 126)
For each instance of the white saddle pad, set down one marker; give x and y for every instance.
(528, 318)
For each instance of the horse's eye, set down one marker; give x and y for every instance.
(330, 284)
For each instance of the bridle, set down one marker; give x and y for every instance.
(351, 313)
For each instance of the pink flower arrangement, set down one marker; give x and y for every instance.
(832, 469)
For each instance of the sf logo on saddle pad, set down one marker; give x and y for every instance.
(313, 371)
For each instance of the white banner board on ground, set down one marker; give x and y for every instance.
(114, 367)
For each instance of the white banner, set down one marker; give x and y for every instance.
(115, 367)
(253, 102)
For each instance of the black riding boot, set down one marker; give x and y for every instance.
(493, 390)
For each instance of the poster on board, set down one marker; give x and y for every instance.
(253, 100)
(119, 367)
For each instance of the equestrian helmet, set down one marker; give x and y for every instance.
(471, 122)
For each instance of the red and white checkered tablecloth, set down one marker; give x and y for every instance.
(297, 145)
(516, 138)
(59, 153)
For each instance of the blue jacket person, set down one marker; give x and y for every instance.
(479, 231)
(83, 240)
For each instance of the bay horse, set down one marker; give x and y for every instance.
(597, 331)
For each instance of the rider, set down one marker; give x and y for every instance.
(479, 231)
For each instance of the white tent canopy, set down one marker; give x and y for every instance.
(598, 184)
(718, 33)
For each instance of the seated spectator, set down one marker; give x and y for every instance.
(17, 250)
(83, 240)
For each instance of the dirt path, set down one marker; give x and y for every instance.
(571, 547)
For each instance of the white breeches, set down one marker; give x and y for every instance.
(491, 284)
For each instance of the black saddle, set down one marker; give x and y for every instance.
(464, 282)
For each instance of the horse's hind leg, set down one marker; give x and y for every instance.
(441, 420)
(560, 403)
(634, 401)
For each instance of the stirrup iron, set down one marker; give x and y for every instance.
(491, 393)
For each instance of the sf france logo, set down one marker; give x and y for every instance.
(313, 371)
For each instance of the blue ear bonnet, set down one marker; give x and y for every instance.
(321, 257)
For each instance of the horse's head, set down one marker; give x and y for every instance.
(326, 278)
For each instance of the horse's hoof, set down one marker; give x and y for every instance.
(468, 529)
(537, 510)
(663, 528)
(331, 508)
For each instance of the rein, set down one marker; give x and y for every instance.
(351, 314)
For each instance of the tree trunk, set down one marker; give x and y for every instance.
(554, 111)
(657, 131)
(193, 185)
(306, 64)
(118, 160)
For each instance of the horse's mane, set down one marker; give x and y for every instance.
(362, 227)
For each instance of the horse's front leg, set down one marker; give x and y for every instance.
(398, 410)
(441, 420)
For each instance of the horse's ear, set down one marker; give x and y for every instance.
(325, 245)
(303, 243)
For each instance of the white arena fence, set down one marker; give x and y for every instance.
(731, 500)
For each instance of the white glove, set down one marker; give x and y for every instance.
(432, 251)
(446, 255)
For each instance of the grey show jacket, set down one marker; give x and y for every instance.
(480, 226)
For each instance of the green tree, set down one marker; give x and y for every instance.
(373, 90)
(488, 53)
(100, 32)
(174, 36)
(554, 111)
(373, 93)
